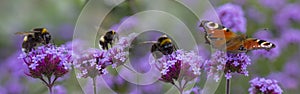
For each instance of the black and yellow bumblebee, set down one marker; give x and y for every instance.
(34, 37)
(108, 39)
(164, 45)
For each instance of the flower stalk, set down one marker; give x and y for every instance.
(227, 86)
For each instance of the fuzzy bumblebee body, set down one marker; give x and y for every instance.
(108, 39)
(220, 37)
(33, 38)
(163, 46)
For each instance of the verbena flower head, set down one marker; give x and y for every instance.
(92, 62)
(232, 16)
(119, 52)
(228, 63)
(47, 60)
(236, 63)
(264, 86)
(181, 64)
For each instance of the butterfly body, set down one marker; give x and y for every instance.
(220, 37)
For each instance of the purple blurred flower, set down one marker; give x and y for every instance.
(232, 16)
(287, 81)
(256, 15)
(290, 36)
(204, 52)
(66, 31)
(14, 86)
(194, 90)
(126, 23)
(288, 78)
(292, 67)
(187, 64)
(284, 16)
(93, 63)
(265, 86)
(272, 4)
(228, 63)
(59, 90)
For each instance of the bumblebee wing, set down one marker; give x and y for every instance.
(148, 42)
(26, 33)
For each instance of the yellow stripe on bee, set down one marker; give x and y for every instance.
(44, 30)
(113, 32)
(102, 38)
(25, 38)
(165, 41)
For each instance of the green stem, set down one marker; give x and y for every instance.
(228, 86)
(94, 85)
(50, 89)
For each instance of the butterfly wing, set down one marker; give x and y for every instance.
(253, 43)
(217, 35)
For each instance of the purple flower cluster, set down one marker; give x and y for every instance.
(93, 63)
(215, 66)
(232, 16)
(227, 63)
(119, 51)
(236, 63)
(187, 64)
(265, 86)
(47, 60)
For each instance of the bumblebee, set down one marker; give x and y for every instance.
(163, 46)
(34, 37)
(107, 39)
